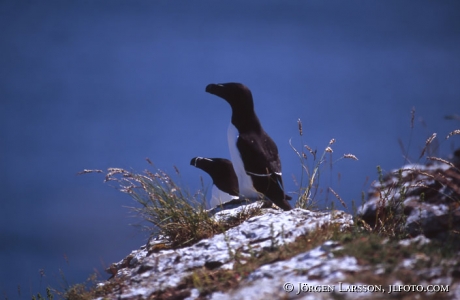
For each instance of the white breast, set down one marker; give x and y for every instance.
(218, 197)
(244, 181)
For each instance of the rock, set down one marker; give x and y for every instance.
(424, 203)
(313, 274)
(421, 198)
(142, 273)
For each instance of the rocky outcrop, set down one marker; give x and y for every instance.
(422, 198)
(318, 273)
(144, 273)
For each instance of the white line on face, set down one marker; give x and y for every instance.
(262, 175)
(204, 158)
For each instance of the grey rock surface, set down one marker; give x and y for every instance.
(425, 197)
(146, 274)
(313, 274)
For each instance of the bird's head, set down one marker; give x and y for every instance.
(236, 94)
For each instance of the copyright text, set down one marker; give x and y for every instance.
(302, 287)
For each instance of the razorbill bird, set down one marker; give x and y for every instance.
(225, 182)
(254, 154)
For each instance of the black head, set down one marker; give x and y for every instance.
(236, 94)
(221, 172)
(201, 162)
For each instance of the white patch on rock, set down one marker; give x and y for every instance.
(145, 274)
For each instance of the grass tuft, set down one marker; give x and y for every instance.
(310, 176)
(177, 216)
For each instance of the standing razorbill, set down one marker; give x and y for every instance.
(225, 182)
(254, 154)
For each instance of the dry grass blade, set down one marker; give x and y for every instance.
(349, 155)
(441, 160)
(455, 132)
(401, 145)
(412, 117)
(430, 139)
(299, 123)
(86, 171)
(306, 197)
(294, 149)
(338, 198)
(311, 151)
(427, 143)
(177, 170)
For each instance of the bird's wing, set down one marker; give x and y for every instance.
(259, 154)
(261, 159)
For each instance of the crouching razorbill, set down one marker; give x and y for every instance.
(254, 154)
(224, 180)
